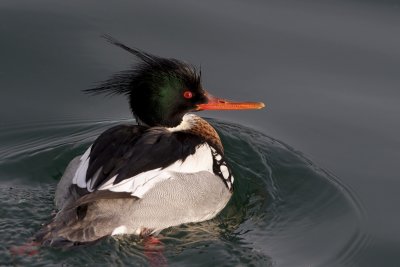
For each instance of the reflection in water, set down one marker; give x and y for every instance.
(284, 211)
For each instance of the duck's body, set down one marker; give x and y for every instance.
(141, 179)
(185, 176)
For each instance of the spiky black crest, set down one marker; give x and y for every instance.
(154, 87)
(124, 81)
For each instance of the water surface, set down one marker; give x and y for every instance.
(327, 70)
(283, 212)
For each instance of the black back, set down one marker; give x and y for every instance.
(127, 150)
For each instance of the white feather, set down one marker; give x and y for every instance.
(120, 230)
(139, 184)
(186, 124)
(91, 182)
(80, 174)
(141, 189)
(224, 171)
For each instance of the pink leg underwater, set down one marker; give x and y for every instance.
(153, 250)
(29, 248)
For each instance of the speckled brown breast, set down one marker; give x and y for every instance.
(202, 128)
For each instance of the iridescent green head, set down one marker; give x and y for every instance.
(160, 90)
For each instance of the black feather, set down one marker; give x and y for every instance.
(146, 57)
(126, 151)
(118, 84)
(124, 81)
(154, 87)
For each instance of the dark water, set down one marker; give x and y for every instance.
(329, 72)
(284, 211)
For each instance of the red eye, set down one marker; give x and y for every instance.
(187, 94)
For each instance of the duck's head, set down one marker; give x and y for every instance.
(161, 91)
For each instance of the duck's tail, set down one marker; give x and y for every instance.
(88, 219)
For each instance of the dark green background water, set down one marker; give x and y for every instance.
(327, 70)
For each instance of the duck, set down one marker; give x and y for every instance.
(165, 170)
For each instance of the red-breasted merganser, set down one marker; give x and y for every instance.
(168, 170)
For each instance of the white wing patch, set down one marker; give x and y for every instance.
(139, 184)
(80, 174)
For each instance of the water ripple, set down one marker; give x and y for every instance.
(285, 211)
